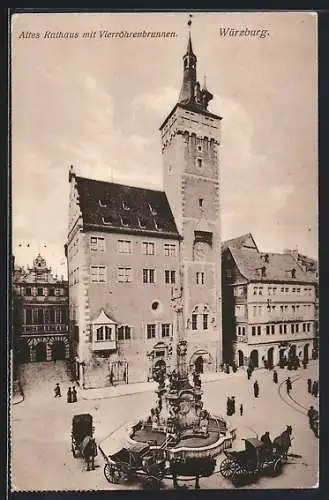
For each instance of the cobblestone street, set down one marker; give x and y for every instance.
(41, 428)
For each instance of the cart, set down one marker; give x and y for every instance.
(136, 462)
(243, 467)
(82, 441)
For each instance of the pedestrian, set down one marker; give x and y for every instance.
(315, 389)
(228, 407)
(74, 395)
(111, 377)
(256, 389)
(69, 395)
(249, 371)
(288, 385)
(241, 409)
(233, 405)
(309, 385)
(57, 391)
(275, 376)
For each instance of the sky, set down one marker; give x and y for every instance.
(97, 104)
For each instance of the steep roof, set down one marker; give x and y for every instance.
(250, 261)
(117, 207)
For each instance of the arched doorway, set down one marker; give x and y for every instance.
(306, 354)
(58, 350)
(270, 353)
(23, 352)
(240, 357)
(254, 358)
(198, 364)
(41, 352)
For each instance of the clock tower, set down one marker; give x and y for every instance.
(190, 137)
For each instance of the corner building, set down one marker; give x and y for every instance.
(130, 249)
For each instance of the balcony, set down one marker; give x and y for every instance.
(104, 345)
(51, 328)
(287, 318)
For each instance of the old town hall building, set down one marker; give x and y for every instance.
(131, 250)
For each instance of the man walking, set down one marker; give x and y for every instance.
(275, 376)
(309, 385)
(249, 372)
(69, 395)
(241, 410)
(288, 385)
(57, 391)
(256, 389)
(315, 389)
(74, 395)
(233, 405)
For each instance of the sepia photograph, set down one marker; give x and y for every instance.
(164, 256)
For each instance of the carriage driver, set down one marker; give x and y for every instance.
(268, 445)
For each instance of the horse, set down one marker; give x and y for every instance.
(89, 451)
(282, 443)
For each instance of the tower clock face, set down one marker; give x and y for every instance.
(200, 250)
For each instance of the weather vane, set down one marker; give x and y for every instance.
(189, 22)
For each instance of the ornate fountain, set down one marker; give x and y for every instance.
(178, 422)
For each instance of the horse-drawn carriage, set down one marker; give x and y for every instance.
(243, 467)
(82, 441)
(136, 461)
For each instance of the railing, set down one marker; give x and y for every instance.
(104, 345)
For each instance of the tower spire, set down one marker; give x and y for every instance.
(191, 94)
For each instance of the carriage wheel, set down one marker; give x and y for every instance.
(151, 483)
(277, 467)
(112, 474)
(239, 476)
(227, 468)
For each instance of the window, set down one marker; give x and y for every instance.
(255, 290)
(273, 329)
(293, 273)
(124, 332)
(284, 328)
(274, 290)
(151, 330)
(280, 329)
(200, 278)
(124, 246)
(98, 274)
(147, 248)
(28, 316)
(282, 290)
(199, 148)
(107, 220)
(270, 290)
(281, 309)
(293, 308)
(297, 328)
(258, 330)
(199, 162)
(148, 275)
(51, 292)
(308, 326)
(292, 326)
(169, 249)
(40, 291)
(28, 291)
(170, 276)
(304, 327)
(165, 330)
(200, 202)
(293, 290)
(58, 317)
(194, 321)
(124, 274)
(97, 243)
(287, 290)
(142, 223)
(267, 329)
(253, 330)
(205, 321)
(254, 310)
(260, 290)
(99, 333)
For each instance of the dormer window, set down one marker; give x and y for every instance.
(199, 163)
(293, 273)
(125, 221)
(159, 225)
(266, 258)
(107, 220)
(102, 203)
(142, 223)
(201, 202)
(263, 271)
(125, 206)
(153, 210)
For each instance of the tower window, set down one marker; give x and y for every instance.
(199, 162)
(200, 202)
(200, 278)
(194, 321)
(199, 148)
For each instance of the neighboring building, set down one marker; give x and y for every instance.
(268, 304)
(310, 266)
(40, 322)
(131, 250)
